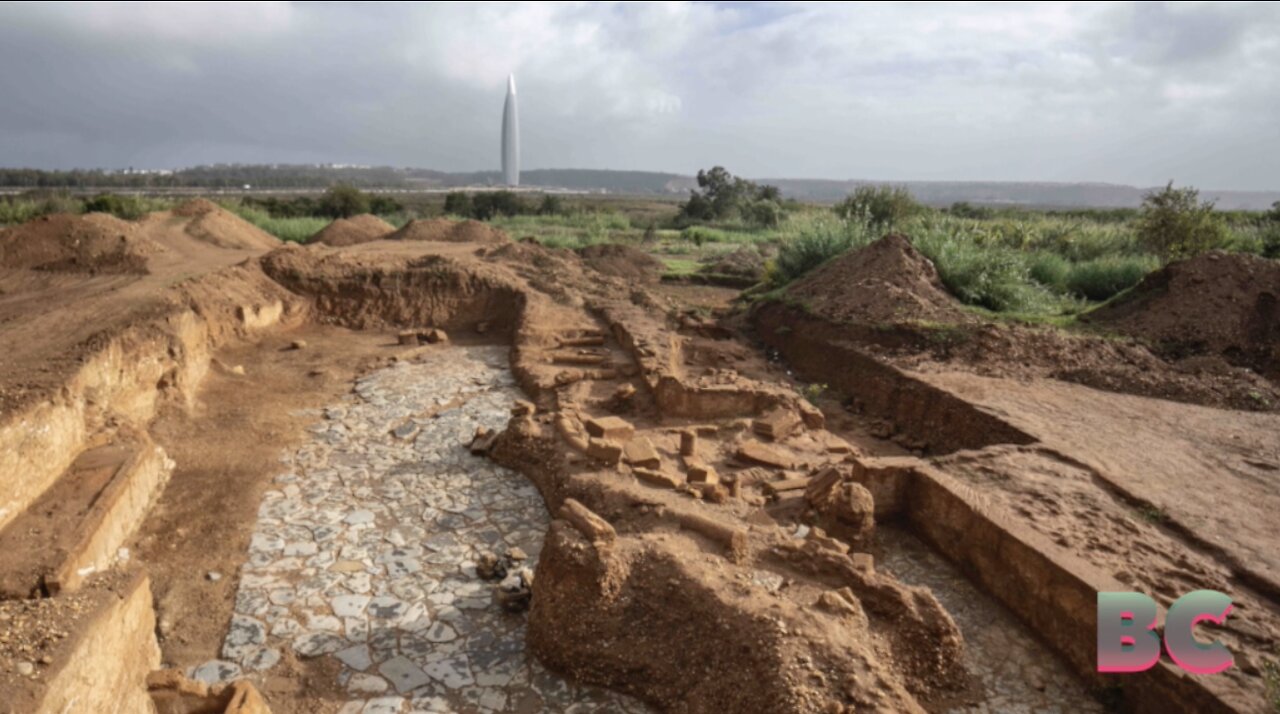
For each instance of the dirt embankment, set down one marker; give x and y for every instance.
(1220, 304)
(623, 261)
(443, 230)
(886, 300)
(887, 282)
(209, 222)
(353, 231)
(95, 243)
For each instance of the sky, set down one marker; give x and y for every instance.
(1134, 93)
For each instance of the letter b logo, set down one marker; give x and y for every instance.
(1127, 641)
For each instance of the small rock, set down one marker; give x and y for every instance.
(26, 669)
(298, 345)
(238, 370)
(213, 576)
(515, 592)
(490, 567)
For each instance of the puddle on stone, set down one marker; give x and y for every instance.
(365, 552)
(1017, 672)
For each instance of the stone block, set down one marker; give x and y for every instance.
(606, 450)
(639, 452)
(611, 427)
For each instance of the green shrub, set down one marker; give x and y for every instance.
(487, 204)
(1103, 278)
(552, 205)
(384, 205)
(1050, 270)
(129, 208)
(457, 203)
(343, 201)
(882, 206)
(18, 211)
(816, 244)
(992, 277)
(763, 214)
(1176, 224)
(1271, 241)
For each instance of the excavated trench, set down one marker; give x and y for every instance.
(365, 551)
(361, 563)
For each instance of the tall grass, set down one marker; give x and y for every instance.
(1030, 265)
(294, 229)
(815, 242)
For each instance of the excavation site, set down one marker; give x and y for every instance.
(442, 468)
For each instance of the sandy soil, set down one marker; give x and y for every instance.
(710, 548)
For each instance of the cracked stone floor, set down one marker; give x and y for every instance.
(365, 550)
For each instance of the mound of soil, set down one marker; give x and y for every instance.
(214, 224)
(623, 261)
(1214, 304)
(352, 231)
(888, 281)
(443, 230)
(746, 263)
(93, 243)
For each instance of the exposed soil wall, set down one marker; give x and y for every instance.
(426, 292)
(103, 665)
(926, 417)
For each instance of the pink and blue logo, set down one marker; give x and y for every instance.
(1128, 641)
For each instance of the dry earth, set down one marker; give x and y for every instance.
(246, 477)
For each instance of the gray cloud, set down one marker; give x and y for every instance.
(1124, 92)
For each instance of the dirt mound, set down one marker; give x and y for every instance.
(196, 207)
(443, 230)
(746, 263)
(888, 281)
(93, 243)
(1214, 304)
(352, 231)
(214, 224)
(623, 261)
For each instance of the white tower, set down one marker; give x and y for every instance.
(510, 136)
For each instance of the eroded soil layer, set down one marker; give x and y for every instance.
(365, 551)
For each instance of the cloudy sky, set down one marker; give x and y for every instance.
(1122, 92)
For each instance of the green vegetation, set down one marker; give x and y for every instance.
(1175, 224)
(816, 243)
(882, 207)
(813, 391)
(486, 205)
(128, 207)
(725, 197)
(289, 228)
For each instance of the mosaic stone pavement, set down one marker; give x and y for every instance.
(365, 552)
(1018, 673)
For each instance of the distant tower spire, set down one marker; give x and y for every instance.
(510, 136)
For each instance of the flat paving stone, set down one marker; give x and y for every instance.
(365, 550)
